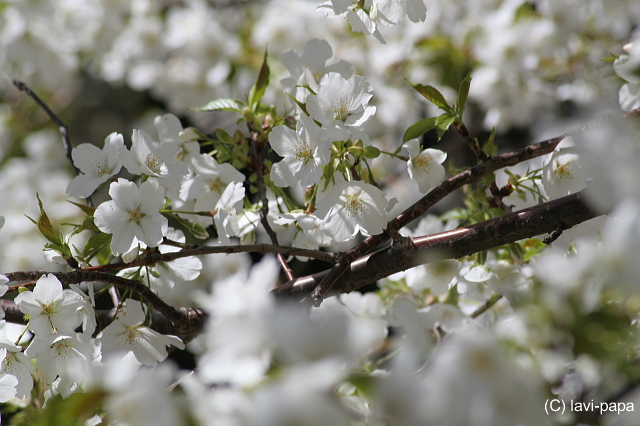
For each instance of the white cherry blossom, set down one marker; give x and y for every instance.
(304, 153)
(8, 382)
(97, 165)
(64, 356)
(308, 67)
(564, 174)
(208, 184)
(50, 308)
(341, 105)
(151, 158)
(425, 167)
(132, 216)
(127, 334)
(351, 207)
(627, 66)
(16, 363)
(226, 216)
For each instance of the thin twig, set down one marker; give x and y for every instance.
(488, 304)
(264, 211)
(471, 142)
(189, 250)
(22, 86)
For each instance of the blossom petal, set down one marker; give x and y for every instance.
(125, 194)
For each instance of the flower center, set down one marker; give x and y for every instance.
(304, 154)
(100, 168)
(153, 163)
(341, 111)
(131, 334)
(49, 309)
(564, 171)
(135, 215)
(215, 185)
(60, 348)
(354, 205)
(423, 162)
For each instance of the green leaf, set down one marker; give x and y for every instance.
(195, 229)
(443, 122)
(259, 87)
(225, 137)
(87, 209)
(432, 95)
(45, 226)
(222, 104)
(463, 92)
(95, 244)
(371, 152)
(420, 128)
(306, 86)
(74, 410)
(302, 106)
(490, 147)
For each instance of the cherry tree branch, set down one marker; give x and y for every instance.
(188, 322)
(189, 250)
(541, 219)
(419, 208)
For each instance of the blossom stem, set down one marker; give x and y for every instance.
(391, 154)
(62, 128)
(264, 211)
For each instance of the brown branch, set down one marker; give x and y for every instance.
(421, 207)
(471, 142)
(189, 250)
(541, 219)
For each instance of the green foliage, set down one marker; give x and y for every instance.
(56, 242)
(490, 148)
(442, 122)
(222, 104)
(463, 93)
(302, 106)
(419, 128)
(527, 10)
(257, 90)
(74, 410)
(371, 152)
(433, 95)
(85, 208)
(97, 245)
(194, 229)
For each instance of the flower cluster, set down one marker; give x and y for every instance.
(479, 339)
(64, 355)
(365, 16)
